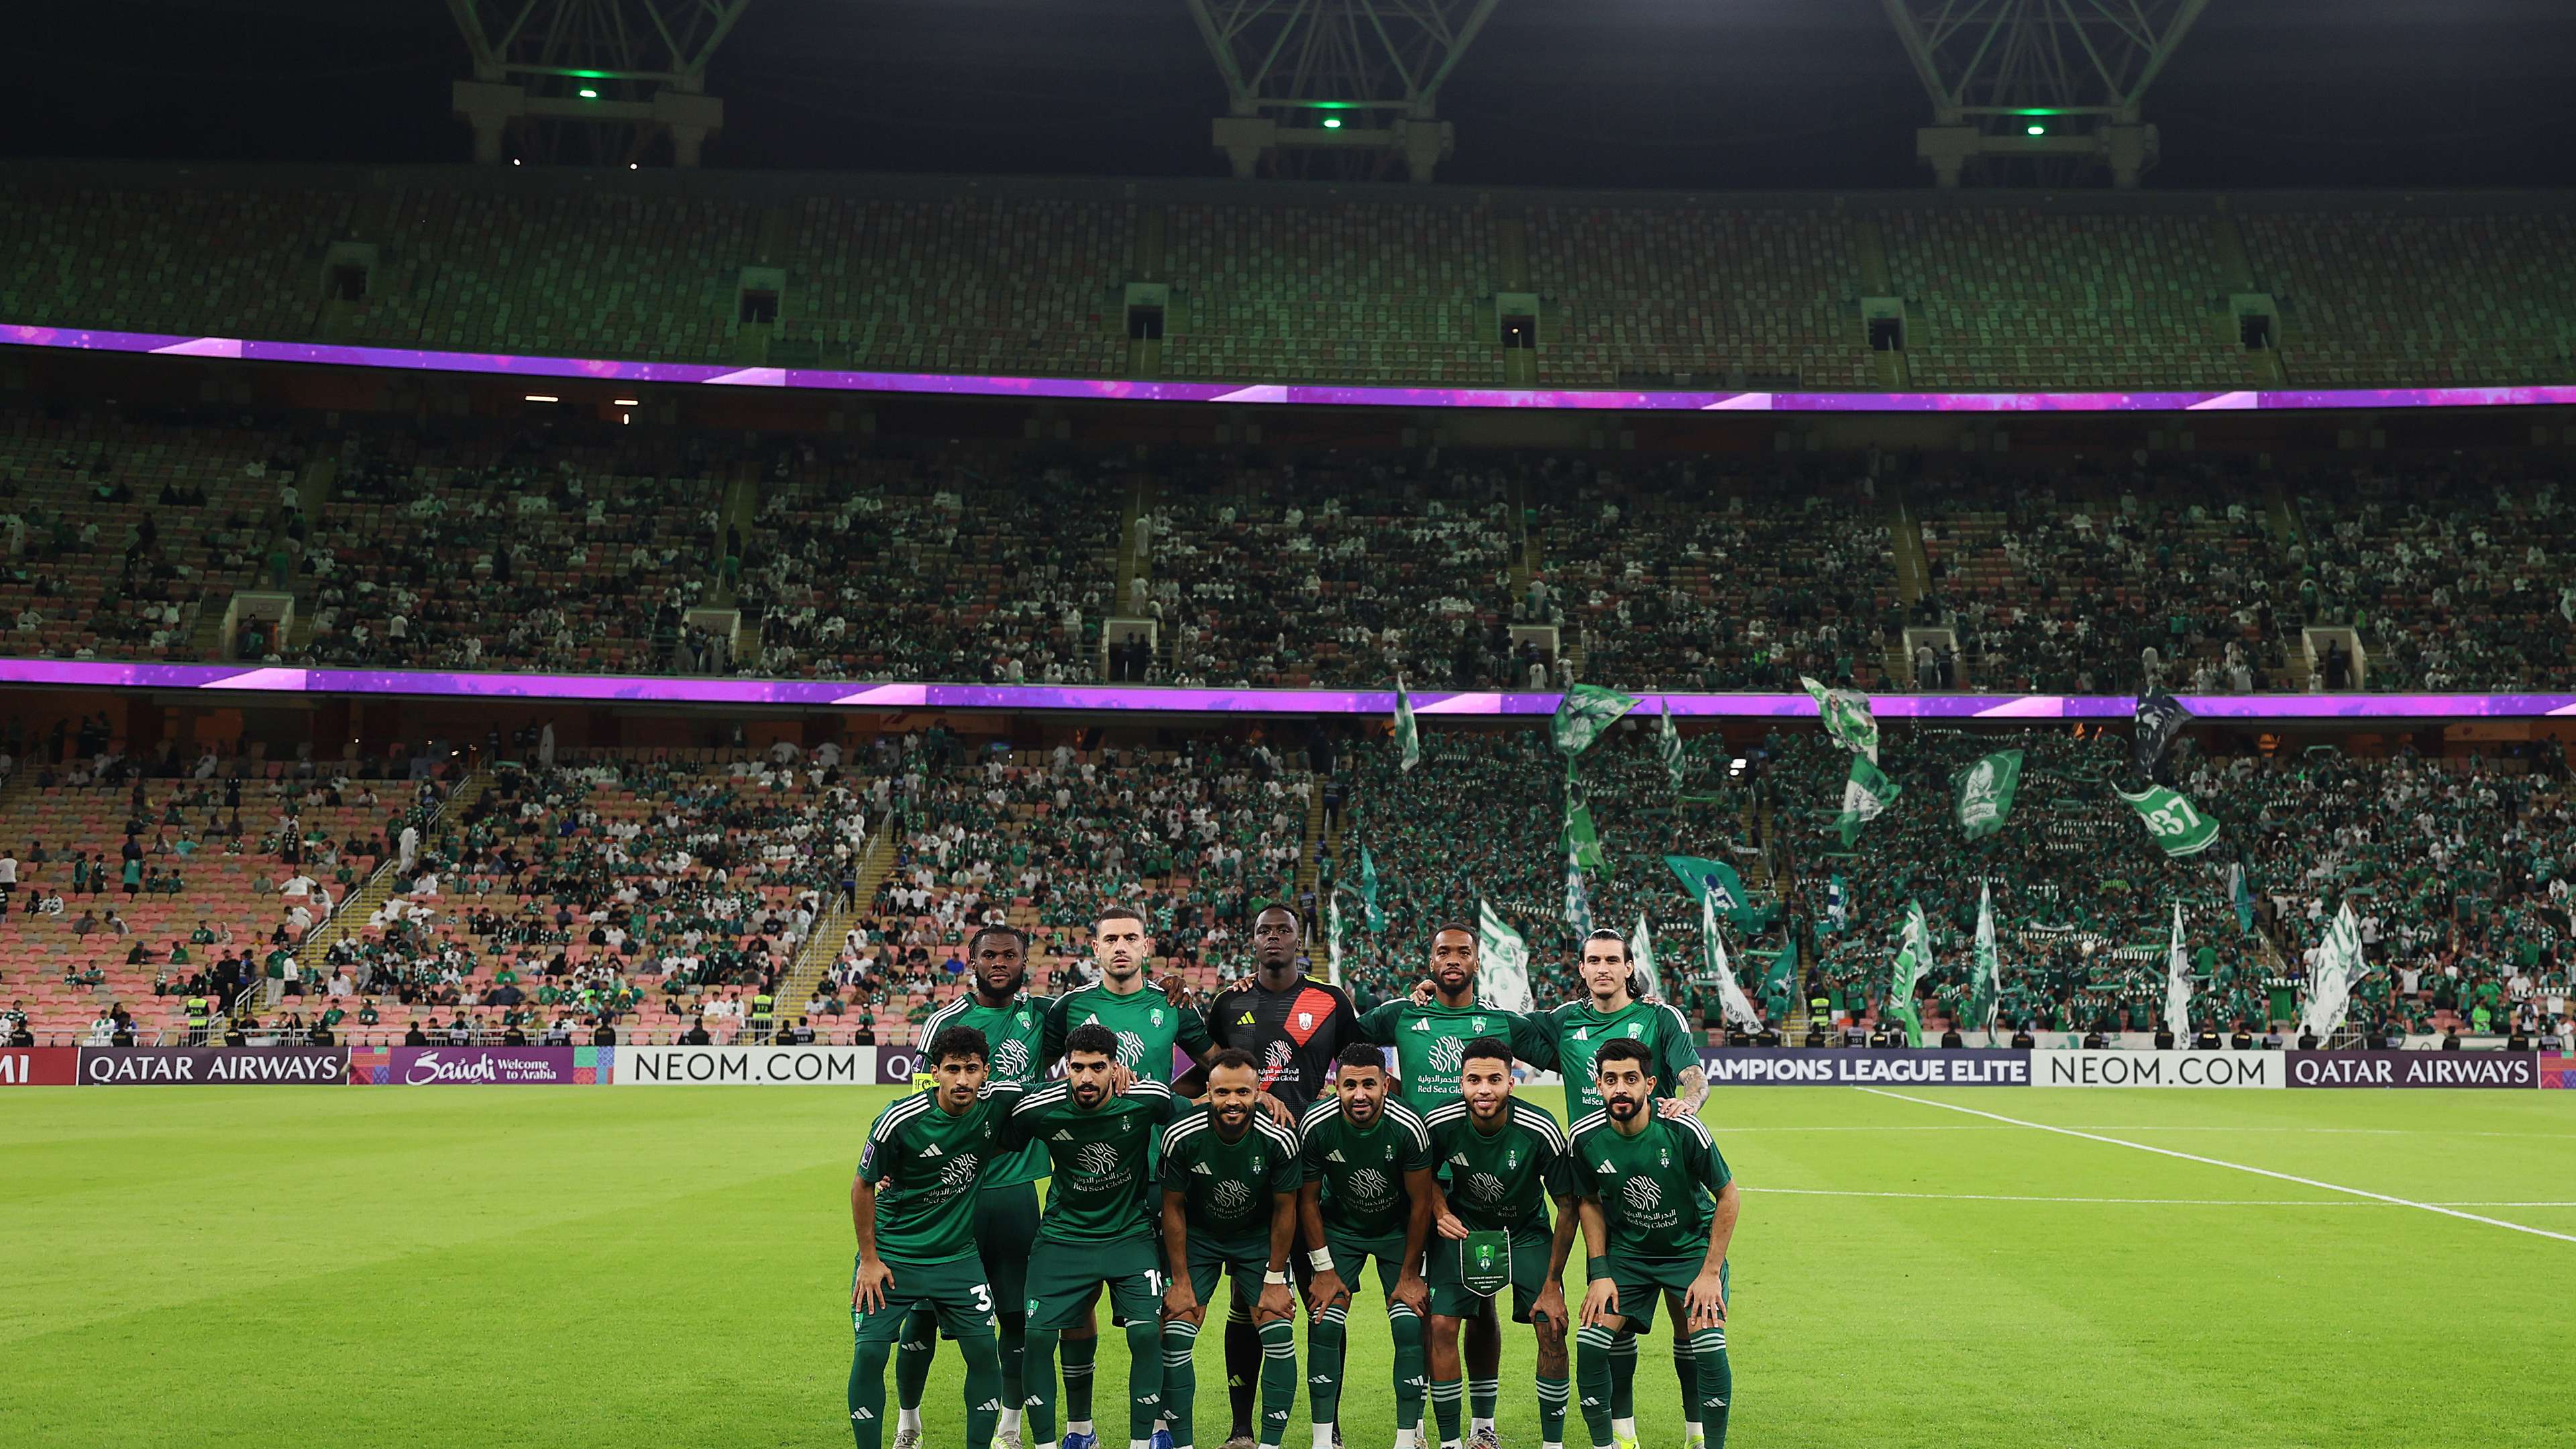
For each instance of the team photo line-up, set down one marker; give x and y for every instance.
(1293, 1152)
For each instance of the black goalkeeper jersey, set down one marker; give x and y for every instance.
(1293, 1035)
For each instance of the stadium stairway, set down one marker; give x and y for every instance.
(2282, 517)
(1913, 573)
(741, 509)
(350, 916)
(823, 946)
(1869, 248)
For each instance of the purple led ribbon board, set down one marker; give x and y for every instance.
(848, 694)
(724, 375)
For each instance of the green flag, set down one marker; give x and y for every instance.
(1987, 990)
(1709, 878)
(2178, 985)
(2175, 822)
(1408, 735)
(2330, 990)
(1984, 793)
(1578, 905)
(1368, 891)
(1913, 958)
(1669, 745)
(1333, 940)
(1641, 955)
(1583, 713)
(1581, 840)
(1502, 974)
(1866, 796)
(1847, 717)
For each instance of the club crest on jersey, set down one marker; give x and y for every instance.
(1156, 1016)
(1305, 1021)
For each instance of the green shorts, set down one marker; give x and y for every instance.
(1006, 1227)
(1450, 1297)
(1643, 1283)
(1351, 1258)
(1065, 1278)
(954, 1290)
(1246, 1261)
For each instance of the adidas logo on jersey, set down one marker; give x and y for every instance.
(1603, 1168)
(1333, 1156)
(1580, 1034)
(1202, 1169)
(931, 1151)
(1457, 1159)
(1061, 1135)
(1422, 1026)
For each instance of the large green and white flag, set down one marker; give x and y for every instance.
(1866, 796)
(2330, 990)
(1578, 906)
(1502, 975)
(1583, 713)
(1986, 993)
(1730, 996)
(1709, 878)
(2178, 985)
(1333, 939)
(1985, 793)
(1668, 744)
(1408, 735)
(1368, 892)
(2175, 822)
(1641, 955)
(1847, 717)
(1913, 958)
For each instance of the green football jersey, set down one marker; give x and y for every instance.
(1148, 1028)
(1363, 1170)
(1501, 1181)
(1012, 1036)
(926, 1164)
(1577, 1029)
(1430, 1040)
(1102, 1158)
(1656, 1189)
(1230, 1186)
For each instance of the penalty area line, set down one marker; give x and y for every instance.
(2130, 1201)
(2233, 1166)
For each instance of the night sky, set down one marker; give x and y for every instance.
(1669, 94)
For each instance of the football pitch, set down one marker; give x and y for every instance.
(505, 1266)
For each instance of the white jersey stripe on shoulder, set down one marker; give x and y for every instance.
(893, 1118)
(1586, 1124)
(1283, 1136)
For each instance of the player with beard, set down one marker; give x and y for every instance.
(1006, 1212)
(1097, 1230)
(913, 1205)
(1230, 1180)
(1610, 1010)
(1367, 1195)
(1659, 1210)
(1501, 1160)
(1292, 1027)
(1430, 1029)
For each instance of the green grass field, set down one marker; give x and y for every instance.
(502, 1266)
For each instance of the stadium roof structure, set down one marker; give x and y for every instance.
(1114, 698)
(613, 371)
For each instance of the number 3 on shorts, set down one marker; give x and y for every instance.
(983, 1298)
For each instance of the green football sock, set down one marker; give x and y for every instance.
(1180, 1381)
(912, 1355)
(1481, 1394)
(1593, 1377)
(1012, 1347)
(983, 1388)
(1412, 1365)
(867, 1394)
(1039, 1367)
(1278, 1380)
(1445, 1394)
(1552, 1394)
(1144, 1379)
(1623, 1375)
(1324, 1347)
(1079, 1354)
(1716, 1383)
(1686, 1373)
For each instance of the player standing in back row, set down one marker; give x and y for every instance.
(1293, 1027)
(1659, 1210)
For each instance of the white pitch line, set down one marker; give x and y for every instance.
(2139, 1201)
(2237, 1166)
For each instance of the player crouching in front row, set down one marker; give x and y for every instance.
(1659, 1208)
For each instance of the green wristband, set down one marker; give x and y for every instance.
(1596, 1267)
